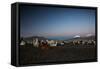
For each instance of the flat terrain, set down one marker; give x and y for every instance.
(30, 55)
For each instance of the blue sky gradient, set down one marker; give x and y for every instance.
(52, 22)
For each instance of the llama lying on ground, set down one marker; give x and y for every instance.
(51, 42)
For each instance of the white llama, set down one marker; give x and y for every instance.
(35, 42)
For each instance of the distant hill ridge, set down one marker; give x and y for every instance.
(34, 37)
(82, 38)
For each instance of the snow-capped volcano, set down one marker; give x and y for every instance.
(88, 35)
(76, 36)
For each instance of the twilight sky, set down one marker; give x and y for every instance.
(56, 22)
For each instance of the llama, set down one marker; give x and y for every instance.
(22, 43)
(52, 42)
(35, 42)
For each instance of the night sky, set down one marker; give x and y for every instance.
(54, 22)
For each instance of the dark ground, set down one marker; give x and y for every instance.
(31, 55)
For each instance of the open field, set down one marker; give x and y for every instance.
(30, 55)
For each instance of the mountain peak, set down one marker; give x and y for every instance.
(76, 36)
(88, 35)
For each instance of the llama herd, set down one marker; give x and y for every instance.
(84, 42)
(36, 42)
(45, 43)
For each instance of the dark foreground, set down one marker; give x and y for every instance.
(31, 55)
